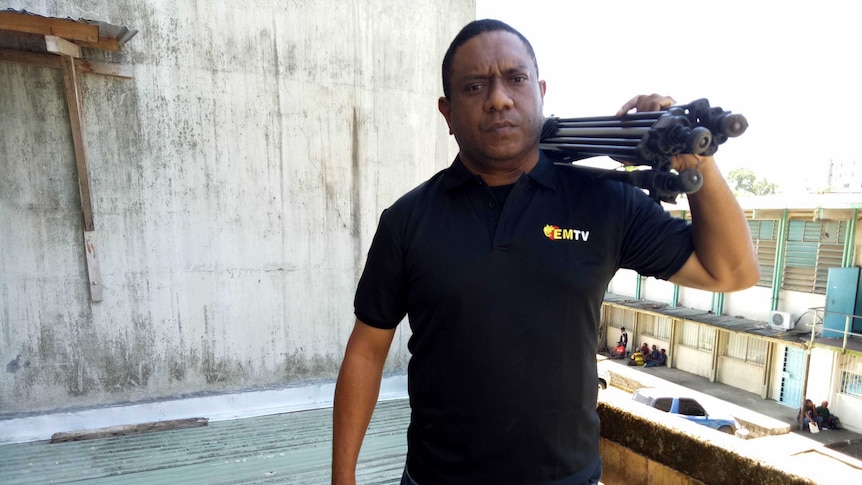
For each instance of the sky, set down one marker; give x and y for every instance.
(792, 68)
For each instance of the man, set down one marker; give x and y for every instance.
(653, 355)
(659, 360)
(619, 351)
(505, 316)
(830, 421)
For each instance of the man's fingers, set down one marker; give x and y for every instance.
(643, 102)
(628, 106)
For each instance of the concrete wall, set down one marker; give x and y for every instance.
(236, 184)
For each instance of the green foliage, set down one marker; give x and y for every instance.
(743, 181)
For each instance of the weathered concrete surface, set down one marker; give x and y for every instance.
(236, 185)
(643, 446)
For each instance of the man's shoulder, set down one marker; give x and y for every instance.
(589, 180)
(435, 184)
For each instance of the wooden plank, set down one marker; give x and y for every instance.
(55, 62)
(94, 271)
(76, 118)
(36, 24)
(91, 434)
(103, 68)
(104, 43)
(31, 58)
(61, 46)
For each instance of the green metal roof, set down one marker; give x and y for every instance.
(292, 448)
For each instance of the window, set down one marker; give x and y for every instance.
(764, 235)
(661, 328)
(746, 348)
(851, 384)
(618, 317)
(690, 407)
(812, 248)
(654, 326)
(698, 336)
(663, 404)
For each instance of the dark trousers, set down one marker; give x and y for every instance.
(407, 480)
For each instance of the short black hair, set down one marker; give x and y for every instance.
(471, 30)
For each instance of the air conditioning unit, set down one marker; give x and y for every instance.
(780, 320)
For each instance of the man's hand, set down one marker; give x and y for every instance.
(724, 258)
(647, 102)
(657, 102)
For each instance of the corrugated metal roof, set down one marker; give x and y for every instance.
(120, 33)
(293, 448)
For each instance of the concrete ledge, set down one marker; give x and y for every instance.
(644, 446)
(214, 407)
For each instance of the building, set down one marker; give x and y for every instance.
(782, 339)
(845, 176)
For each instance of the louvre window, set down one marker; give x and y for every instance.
(764, 235)
(812, 248)
(745, 348)
(698, 336)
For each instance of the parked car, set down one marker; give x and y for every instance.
(686, 407)
(604, 378)
(604, 375)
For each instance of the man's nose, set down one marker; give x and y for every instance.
(499, 97)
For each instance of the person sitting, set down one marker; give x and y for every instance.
(808, 415)
(653, 355)
(644, 349)
(636, 358)
(661, 359)
(829, 420)
(619, 351)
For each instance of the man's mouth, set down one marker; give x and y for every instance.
(500, 127)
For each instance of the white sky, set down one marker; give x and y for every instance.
(792, 68)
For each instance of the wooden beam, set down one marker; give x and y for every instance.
(31, 58)
(103, 68)
(36, 24)
(61, 46)
(74, 99)
(94, 271)
(104, 43)
(55, 62)
(76, 118)
(91, 434)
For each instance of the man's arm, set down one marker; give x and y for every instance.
(356, 392)
(724, 258)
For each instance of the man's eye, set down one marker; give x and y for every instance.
(474, 87)
(519, 79)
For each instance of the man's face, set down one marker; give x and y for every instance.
(495, 104)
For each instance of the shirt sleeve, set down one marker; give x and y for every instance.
(381, 294)
(656, 243)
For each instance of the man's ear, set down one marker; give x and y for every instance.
(446, 110)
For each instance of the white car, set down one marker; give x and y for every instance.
(604, 378)
(604, 375)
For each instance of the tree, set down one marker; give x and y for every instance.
(743, 181)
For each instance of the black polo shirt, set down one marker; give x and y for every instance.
(504, 306)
